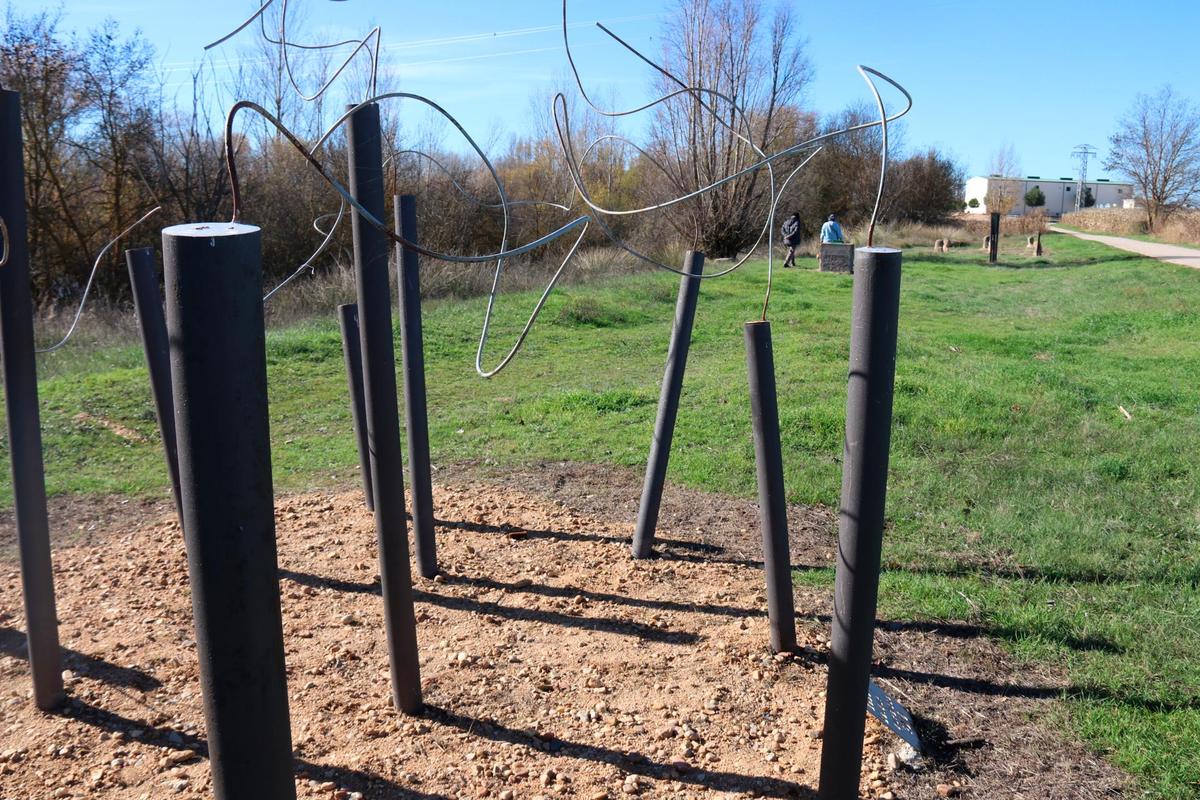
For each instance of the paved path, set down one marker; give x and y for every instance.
(1171, 253)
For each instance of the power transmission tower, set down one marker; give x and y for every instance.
(1082, 153)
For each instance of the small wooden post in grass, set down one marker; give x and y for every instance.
(994, 240)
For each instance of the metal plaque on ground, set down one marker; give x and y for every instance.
(893, 715)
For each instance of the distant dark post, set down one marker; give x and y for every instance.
(352, 352)
(412, 348)
(874, 321)
(143, 280)
(668, 405)
(219, 382)
(24, 419)
(994, 240)
(764, 414)
(383, 418)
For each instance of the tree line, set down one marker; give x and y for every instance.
(106, 140)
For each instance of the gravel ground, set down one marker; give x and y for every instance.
(552, 664)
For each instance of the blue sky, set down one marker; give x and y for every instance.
(1041, 76)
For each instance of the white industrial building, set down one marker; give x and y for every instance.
(1060, 193)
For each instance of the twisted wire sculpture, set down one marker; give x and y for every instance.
(596, 213)
(91, 277)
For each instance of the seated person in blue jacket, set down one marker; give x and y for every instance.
(831, 231)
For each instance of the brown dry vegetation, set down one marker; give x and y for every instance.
(1181, 227)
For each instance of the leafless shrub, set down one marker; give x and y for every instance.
(1182, 228)
(1027, 225)
(1157, 143)
(1118, 221)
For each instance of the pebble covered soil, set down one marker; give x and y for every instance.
(553, 664)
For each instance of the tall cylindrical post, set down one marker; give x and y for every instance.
(764, 413)
(874, 320)
(219, 387)
(352, 352)
(143, 280)
(412, 348)
(994, 239)
(383, 419)
(24, 420)
(668, 405)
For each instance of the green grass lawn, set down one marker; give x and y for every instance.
(1021, 499)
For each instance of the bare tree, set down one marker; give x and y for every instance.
(117, 148)
(755, 64)
(844, 178)
(1157, 144)
(35, 61)
(189, 168)
(1002, 194)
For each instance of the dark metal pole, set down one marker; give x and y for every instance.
(24, 421)
(668, 405)
(772, 503)
(219, 383)
(412, 348)
(143, 279)
(352, 352)
(994, 239)
(874, 322)
(383, 419)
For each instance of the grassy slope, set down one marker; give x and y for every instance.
(1021, 499)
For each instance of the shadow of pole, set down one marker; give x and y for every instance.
(605, 624)
(370, 784)
(13, 643)
(632, 763)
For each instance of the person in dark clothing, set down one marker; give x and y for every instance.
(791, 239)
